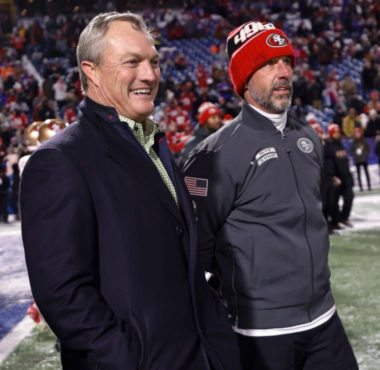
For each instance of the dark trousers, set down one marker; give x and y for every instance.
(327, 192)
(323, 348)
(359, 166)
(345, 191)
(3, 208)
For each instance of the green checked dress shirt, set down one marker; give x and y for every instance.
(146, 138)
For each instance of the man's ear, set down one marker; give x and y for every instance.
(91, 71)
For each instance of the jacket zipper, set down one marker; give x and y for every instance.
(304, 224)
(233, 287)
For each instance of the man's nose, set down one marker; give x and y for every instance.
(148, 71)
(284, 69)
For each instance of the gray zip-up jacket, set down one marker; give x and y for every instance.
(261, 227)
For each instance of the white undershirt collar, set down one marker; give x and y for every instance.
(278, 119)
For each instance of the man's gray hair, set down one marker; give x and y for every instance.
(91, 41)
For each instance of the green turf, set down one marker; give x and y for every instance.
(355, 275)
(35, 352)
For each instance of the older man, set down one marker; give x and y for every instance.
(255, 183)
(108, 228)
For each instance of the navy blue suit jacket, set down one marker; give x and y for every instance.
(112, 261)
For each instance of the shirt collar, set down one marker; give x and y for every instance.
(148, 126)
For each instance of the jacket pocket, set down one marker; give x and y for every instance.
(140, 335)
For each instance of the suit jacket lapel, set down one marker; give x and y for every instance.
(127, 151)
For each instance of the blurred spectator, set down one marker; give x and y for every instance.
(329, 179)
(18, 120)
(174, 29)
(377, 150)
(299, 109)
(330, 95)
(373, 125)
(348, 87)
(70, 113)
(44, 110)
(4, 186)
(177, 118)
(356, 102)
(359, 150)
(180, 61)
(350, 121)
(14, 198)
(60, 89)
(368, 75)
(333, 80)
(222, 29)
(210, 120)
(7, 70)
(18, 43)
(201, 76)
(314, 91)
(187, 97)
(47, 86)
(339, 114)
(374, 101)
(205, 94)
(341, 164)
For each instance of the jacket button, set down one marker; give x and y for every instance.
(179, 229)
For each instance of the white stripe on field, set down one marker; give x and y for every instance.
(15, 336)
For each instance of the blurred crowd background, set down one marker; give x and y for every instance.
(336, 79)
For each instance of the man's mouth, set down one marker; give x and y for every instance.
(142, 91)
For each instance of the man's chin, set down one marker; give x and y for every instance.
(281, 106)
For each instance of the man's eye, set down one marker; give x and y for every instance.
(132, 62)
(155, 63)
(270, 63)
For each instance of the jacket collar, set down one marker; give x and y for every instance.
(253, 119)
(124, 148)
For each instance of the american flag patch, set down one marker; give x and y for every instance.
(197, 186)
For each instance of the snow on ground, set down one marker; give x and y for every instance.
(366, 212)
(15, 295)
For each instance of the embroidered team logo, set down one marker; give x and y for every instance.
(276, 40)
(265, 154)
(305, 145)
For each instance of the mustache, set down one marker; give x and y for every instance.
(283, 84)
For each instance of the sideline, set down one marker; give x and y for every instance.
(15, 336)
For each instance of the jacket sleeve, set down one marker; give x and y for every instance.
(215, 202)
(60, 239)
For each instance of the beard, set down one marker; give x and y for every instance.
(269, 101)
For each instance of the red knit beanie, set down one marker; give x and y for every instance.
(251, 45)
(206, 110)
(333, 128)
